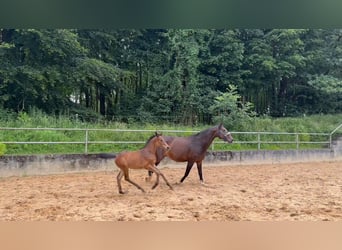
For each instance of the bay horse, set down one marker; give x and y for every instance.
(143, 158)
(192, 149)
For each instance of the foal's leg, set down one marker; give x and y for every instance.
(159, 173)
(150, 173)
(127, 179)
(187, 171)
(149, 177)
(118, 178)
(157, 178)
(160, 154)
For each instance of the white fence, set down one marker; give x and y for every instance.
(257, 138)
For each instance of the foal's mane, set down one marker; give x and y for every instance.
(149, 139)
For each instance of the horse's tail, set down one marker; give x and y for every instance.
(107, 156)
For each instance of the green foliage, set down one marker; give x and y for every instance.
(228, 108)
(2, 149)
(170, 75)
(38, 119)
(327, 84)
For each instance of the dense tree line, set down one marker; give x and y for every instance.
(182, 75)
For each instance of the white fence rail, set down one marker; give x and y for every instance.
(259, 138)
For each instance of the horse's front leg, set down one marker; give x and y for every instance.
(157, 179)
(199, 169)
(187, 171)
(159, 173)
(149, 177)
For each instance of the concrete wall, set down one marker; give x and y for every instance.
(268, 156)
(51, 164)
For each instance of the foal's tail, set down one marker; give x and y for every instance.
(107, 156)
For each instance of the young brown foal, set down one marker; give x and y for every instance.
(143, 158)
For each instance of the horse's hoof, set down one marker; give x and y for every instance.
(204, 184)
(122, 192)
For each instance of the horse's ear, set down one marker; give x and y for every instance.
(158, 133)
(220, 125)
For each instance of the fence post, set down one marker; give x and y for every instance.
(86, 141)
(333, 132)
(297, 141)
(259, 143)
(330, 141)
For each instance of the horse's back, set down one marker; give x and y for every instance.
(186, 149)
(179, 149)
(126, 158)
(133, 159)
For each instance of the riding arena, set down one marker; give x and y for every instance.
(301, 189)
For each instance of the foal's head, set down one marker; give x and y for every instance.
(223, 134)
(160, 142)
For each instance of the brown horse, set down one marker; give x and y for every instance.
(143, 158)
(193, 148)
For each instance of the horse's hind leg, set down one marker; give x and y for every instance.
(187, 171)
(118, 178)
(129, 180)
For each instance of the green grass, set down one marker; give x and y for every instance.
(37, 119)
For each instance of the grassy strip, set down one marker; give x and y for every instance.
(36, 119)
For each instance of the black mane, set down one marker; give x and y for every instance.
(204, 131)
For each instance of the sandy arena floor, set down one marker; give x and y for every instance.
(279, 192)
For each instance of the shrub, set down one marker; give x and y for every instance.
(228, 108)
(2, 149)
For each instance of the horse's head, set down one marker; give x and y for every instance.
(161, 141)
(223, 134)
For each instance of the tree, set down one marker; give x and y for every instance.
(99, 84)
(159, 74)
(35, 68)
(222, 61)
(229, 109)
(177, 91)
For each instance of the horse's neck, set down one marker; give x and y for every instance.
(150, 147)
(207, 137)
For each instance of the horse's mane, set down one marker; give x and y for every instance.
(204, 131)
(149, 139)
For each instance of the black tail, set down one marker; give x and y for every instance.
(107, 156)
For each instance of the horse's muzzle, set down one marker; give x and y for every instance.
(229, 138)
